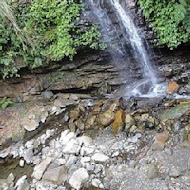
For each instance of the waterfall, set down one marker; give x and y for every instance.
(146, 87)
(108, 31)
(136, 41)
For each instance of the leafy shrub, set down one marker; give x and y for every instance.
(40, 32)
(169, 19)
(5, 102)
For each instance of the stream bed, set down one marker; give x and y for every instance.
(121, 143)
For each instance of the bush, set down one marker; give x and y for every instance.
(169, 19)
(40, 32)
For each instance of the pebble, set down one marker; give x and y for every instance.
(21, 163)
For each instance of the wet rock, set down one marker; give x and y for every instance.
(40, 168)
(78, 178)
(173, 87)
(153, 171)
(118, 122)
(56, 175)
(100, 157)
(129, 122)
(176, 112)
(106, 118)
(174, 172)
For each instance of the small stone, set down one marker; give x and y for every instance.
(72, 126)
(47, 95)
(28, 154)
(74, 114)
(160, 141)
(174, 172)
(80, 124)
(153, 171)
(66, 136)
(21, 163)
(96, 183)
(32, 125)
(173, 87)
(78, 178)
(56, 175)
(85, 140)
(117, 125)
(40, 169)
(90, 121)
(100, 157)
(106, 118)
(129, 122)
(72, 147)
(72, 160)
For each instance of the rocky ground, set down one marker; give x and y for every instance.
(100, 144)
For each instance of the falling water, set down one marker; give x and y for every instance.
(146, 87)
(109, 32)
(135, 40)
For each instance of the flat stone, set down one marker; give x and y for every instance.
(56, 175)
(100, 157)
(78, 178)
(40, 168)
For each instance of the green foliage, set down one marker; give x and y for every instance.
(5, 102)
(40, 32)
(169, 19)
